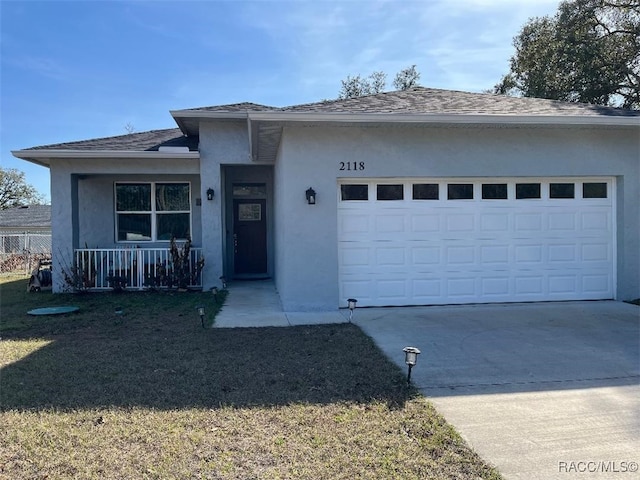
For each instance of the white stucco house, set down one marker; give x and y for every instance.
(416, 197)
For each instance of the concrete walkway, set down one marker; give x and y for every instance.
(257, 304)
(541, 390)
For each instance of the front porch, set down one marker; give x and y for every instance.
(136, 268)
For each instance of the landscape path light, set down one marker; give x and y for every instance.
(214, 290)
(352, 306)
(410, 358)
(223, 279)
(201, 313)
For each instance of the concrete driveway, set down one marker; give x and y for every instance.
(542, 391)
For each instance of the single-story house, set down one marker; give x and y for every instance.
(415, 197)
(26, 228)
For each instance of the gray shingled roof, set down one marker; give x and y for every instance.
(31, 216)
(417, 100)
(421, 100)
(235, 107)
(143, 141)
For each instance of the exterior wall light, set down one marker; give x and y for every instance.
(201, 313)
(410, 358)
(210, 194)
(311, 196)
(352, 306)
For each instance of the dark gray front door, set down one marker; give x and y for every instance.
(249, 237)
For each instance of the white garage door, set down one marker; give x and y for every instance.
(479, 240)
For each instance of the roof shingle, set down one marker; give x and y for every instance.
(142, 141)
(30, 216)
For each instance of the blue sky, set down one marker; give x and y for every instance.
(76, 70)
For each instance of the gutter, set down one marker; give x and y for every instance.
(633, 121)
(428, 118)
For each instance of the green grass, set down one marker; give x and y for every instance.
(151, 394)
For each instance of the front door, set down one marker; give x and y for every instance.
(249, 237)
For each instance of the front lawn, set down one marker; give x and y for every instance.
(151, 394)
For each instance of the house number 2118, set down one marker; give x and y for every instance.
(351, 165)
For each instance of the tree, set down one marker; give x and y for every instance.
(376, 82)
(358, 86)
(15, 192)
(588, 52)
(407, 78)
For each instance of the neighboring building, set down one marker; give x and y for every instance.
(26, 229)
(421, 197)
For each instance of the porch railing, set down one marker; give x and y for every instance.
(134, 268)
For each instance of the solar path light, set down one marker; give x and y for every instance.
(201, 313)
(352, 306)
(410, 358)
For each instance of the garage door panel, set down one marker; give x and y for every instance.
(528, 286)
(389, 223)
(596, 252)
(426, 290)
(563, 284)
(564, 222)
(495, 222)
(528, 222)
(562, 253)
(528, 254)
(390, 291)
(596, 285)
(493, 255)
(457, 222)
(498, 288)
(467, 251)
(422, 223)
(390, 256)
(596, 221)
(425, 255)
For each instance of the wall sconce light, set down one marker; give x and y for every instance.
(410, 358)
(311, 196)
(210, 193)
(201, 313)
(352, 306)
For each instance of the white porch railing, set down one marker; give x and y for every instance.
(135, 268)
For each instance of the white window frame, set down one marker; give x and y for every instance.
(153, 212)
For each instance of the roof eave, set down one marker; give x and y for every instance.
(495, 119)
(43, 156)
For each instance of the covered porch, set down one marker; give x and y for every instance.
(135, 268)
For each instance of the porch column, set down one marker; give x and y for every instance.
(211, 212)
(64, 222)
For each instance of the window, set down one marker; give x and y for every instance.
(354, 192)
(249, 189)
(460, 191)
(152, 211)
(594, 190)
(494, 191)
(425, 191)
(527, 190)
(561, 190)
(390, 192)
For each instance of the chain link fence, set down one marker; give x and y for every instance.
(20, 252)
